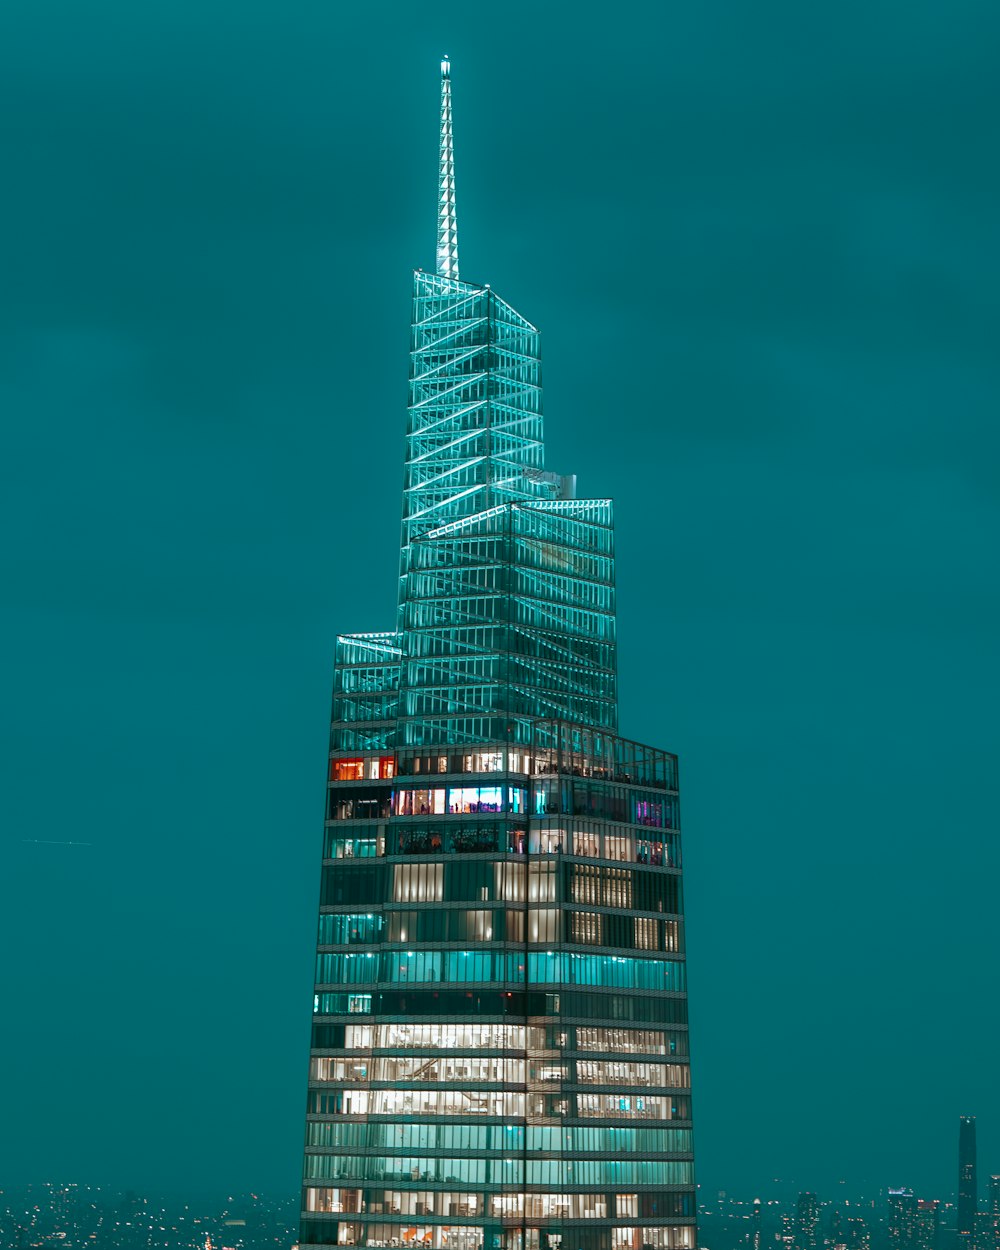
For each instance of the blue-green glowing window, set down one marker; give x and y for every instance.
(344, 929)
(607, 1172)
(337, 1004)
(555, 1139)
(346, 969)
(619, 972)
(352, 848)
(406, 967)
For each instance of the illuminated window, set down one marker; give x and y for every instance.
(649, 812)
(617, 888)
(549, 1072)
(483, 762)
(510, 882)
(473, 799)
(585, 927)
(543, 924)
(586, 884)
(326, 1069)
(347, 770)
(359, 1036)
(646, 1075)
(417, 883)
(618, 846)
(624, 1041)
(678, 1237)
(341, 929)
(479, 926)
(420, 802)
(586, 844)
(542, 883)
(353, 847)
(515, 926)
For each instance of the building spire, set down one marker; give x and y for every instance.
(447, 241)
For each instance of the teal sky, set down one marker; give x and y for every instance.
(761, 243)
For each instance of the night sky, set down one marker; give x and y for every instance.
(761, 243)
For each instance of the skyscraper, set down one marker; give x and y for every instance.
(968, 1188)
(990, 1228)
(902, 1219)
(807, 1222)
(926, 1224)
(499, 1048)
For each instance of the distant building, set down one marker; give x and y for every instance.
(926, 1224)
(857, 1234)
(807, 1222)
(902, 1222)
(968, 1188)
(988, 1222)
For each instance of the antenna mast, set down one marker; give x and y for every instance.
(447, 241)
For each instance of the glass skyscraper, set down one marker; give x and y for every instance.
(499, 1045)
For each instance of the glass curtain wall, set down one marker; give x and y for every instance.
(508, 618)
(500, 1054)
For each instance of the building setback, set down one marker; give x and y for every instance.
(500, 1044)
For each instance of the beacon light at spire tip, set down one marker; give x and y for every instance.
(445, 66)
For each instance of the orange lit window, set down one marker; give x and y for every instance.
(346, 770)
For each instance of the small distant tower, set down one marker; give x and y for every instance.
(968, 1188)
(807, 1222)
(837, 1232)
(858, 1234)
(755, 1229)
(926, 1226)
(989, 1236)
(902, 1219)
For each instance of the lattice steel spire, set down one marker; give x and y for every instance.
(447, 243)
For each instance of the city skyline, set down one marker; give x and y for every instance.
(762, 254)
(884, 1218)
